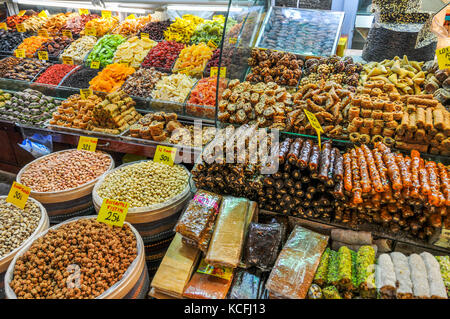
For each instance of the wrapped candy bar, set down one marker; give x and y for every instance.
(297, 263)
(402, 275)
(444, 263)
(175, 269)
(365, 266)
(263, 242)
(198, 219)
(418, 270)
(331, 292)
(385, 277)
(228, 237)
(245, 285)
(345, 268)
(437, 287)
(321, 274)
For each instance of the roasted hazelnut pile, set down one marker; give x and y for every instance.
(98, 253)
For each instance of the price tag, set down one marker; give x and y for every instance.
(43, 14)
(83, 11)
(86, 143)
(165, 155)
(43, 33)
(214, 70)
(113, 212)
(145, 36)
(67, 60)
(67, 33)
(443, 57)
(90, 31)
(131, 17)
(106, 14)
(444, 239)
(85, 93)
(95, 64)
(3, 26)
(18, 195)
(20, 53)
(43, 55)
(221, 272)
(20, 27)
(232, 40)
(211, 43)
(21, 13)
(315, 124)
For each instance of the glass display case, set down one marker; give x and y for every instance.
(301, 31)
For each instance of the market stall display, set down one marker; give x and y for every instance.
(100, 26)
(34, 23)
(16, 19)
(209, 31)
(202, 99)
(142, 82)
(182, 28)
(28, 107)
(133, 51)
(130, 27)
(104, 49)
(32, 44)
(437, 82)
(54, 74)
(10, 39)
(193, 59)
(163, 55)
(26, 69)
(173, 88)
(56, 23)
(80, 78)
(79, 49)
(155, 30)
(77, 23)
(8, 64)
(55, 46)
(126, 256)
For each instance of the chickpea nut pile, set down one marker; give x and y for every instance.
(144, 184)
(101, 253)
(65, 170)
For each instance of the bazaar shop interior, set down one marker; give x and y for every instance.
(240, 149)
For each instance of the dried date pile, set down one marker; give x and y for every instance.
(101, 253)
(273, 66)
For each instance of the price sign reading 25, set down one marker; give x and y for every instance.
(165, 155)
(113, 212)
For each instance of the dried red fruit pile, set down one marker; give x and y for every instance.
(163, 55)
(12, 21)
(54, 74)
(55, 46)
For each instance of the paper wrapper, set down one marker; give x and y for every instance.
(176, 268)
(228, 237)
(203, 286)
(297, 263)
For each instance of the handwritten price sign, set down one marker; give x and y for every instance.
(165, 155)
(113, 212)
(18, 195)
(87, 143)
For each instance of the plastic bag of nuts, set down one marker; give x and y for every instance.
(115, 254)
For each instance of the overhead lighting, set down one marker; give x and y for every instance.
(180, 7)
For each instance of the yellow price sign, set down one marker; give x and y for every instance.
(90, 31)
(145, 36)
(67, 33)
(20, 27)
(131, 17)
(95, 64)
(106, 14)
(214, 70)
(315, 124)
(43, 33)
(67, 60)
(443, 57)
(85, 93)
(113, 212)
(20, 53)
(43, 55)
(165, 155)
(3, 26)
(18, 195)
(21, 13)
(83, 11)
(86, 143)
(43, 14)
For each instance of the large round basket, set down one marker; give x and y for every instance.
(68, 203)
(134, 283)
(6, 260)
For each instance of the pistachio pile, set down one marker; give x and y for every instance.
(144, 184)
(16, 225)
(99, 253)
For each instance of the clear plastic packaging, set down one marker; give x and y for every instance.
(246, 285)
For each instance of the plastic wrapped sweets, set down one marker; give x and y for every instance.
(437, 287)
(418, 270)
(385, 277)
(175, 269)
(196, 224)
(263, 243)
(228, 237)
(246, 285)
(402, 275)
(296, 265)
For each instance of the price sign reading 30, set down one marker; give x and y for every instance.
(87, 143)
